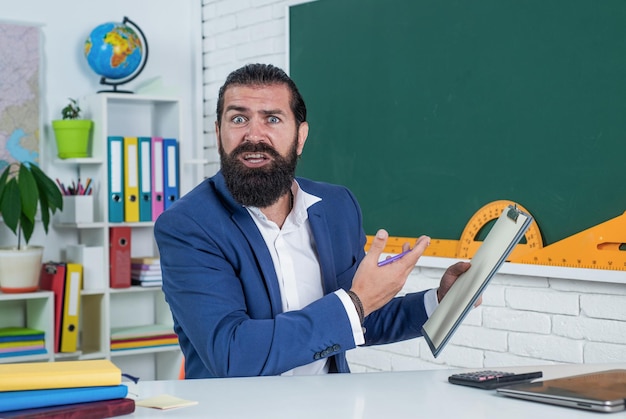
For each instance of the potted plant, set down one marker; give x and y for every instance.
(72, 133)
(24, 187)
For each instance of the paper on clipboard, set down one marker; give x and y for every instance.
(459, 300)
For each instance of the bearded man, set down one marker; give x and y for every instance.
(265, 273)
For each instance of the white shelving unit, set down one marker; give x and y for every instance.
(34, 310)
(114, 114)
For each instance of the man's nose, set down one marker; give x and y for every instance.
(256, 132)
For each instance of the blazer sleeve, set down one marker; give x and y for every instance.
(400, 319)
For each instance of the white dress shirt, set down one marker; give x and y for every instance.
(297, 267)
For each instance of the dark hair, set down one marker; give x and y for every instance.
(262, 74)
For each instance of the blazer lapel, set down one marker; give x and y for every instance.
(324, 246)
(248, 228)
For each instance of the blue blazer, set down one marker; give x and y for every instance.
(221, 286)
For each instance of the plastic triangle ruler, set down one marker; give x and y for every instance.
(599, 247)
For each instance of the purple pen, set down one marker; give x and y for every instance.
(393, 258)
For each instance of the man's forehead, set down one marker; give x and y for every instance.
(266, 93)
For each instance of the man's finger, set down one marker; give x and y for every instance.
(378, 244)
(421, 244)
(458, 268)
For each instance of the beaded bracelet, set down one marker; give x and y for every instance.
(357, 304)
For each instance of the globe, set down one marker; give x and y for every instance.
(115, 51)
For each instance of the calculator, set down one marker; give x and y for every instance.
(489, 379)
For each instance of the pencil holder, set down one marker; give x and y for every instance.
(77, 209)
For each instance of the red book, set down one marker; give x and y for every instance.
(53, 279)
(119, 257)
(90, 410)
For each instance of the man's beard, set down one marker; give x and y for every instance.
(258, 187)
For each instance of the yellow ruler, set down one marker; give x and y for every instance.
(468, 244)
(438, 247)
(599, 247)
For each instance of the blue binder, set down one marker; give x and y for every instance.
(144, 158)
(171, 188)
(115, 152)
(28, 399)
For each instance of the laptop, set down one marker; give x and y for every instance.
(602, 391)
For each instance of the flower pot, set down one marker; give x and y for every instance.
(73, 137)
(20, 269)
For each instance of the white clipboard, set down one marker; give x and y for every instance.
(459, 300)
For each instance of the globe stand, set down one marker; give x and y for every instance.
(117, 83)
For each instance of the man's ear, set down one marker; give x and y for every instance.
(217, 133)
(303, 133)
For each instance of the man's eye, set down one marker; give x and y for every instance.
(273, 120)
(239, 120)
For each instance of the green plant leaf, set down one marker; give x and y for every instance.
(45, 212)
(27, 226)
(72, 110)
(29, 192)
(47, 189)
(3, 180)
(21, 195)
(11, 204)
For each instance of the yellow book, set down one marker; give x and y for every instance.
(131, 180)
(17, 344)
(146, 260)
(71, 307)
(144, 343)
(61, 374)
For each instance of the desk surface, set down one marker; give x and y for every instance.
(397, 395)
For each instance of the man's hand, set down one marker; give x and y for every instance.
(450, 276)
(375, 285)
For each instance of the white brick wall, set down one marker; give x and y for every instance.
(524, 320)
(237, 32)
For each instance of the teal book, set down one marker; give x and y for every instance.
(23, 352)
(29, 399)
(144, 160)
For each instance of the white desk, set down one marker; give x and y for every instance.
(394, 395)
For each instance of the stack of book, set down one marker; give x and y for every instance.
(137, 337)
(90, 388)
(146, 272)
(18, 341)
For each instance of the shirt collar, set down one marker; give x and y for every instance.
(302, 200)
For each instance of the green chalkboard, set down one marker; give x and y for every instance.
(430, 109)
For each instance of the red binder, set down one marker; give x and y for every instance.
(53, 279)
(97, 409)
(119, 257)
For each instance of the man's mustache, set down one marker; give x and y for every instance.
(247, 147)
